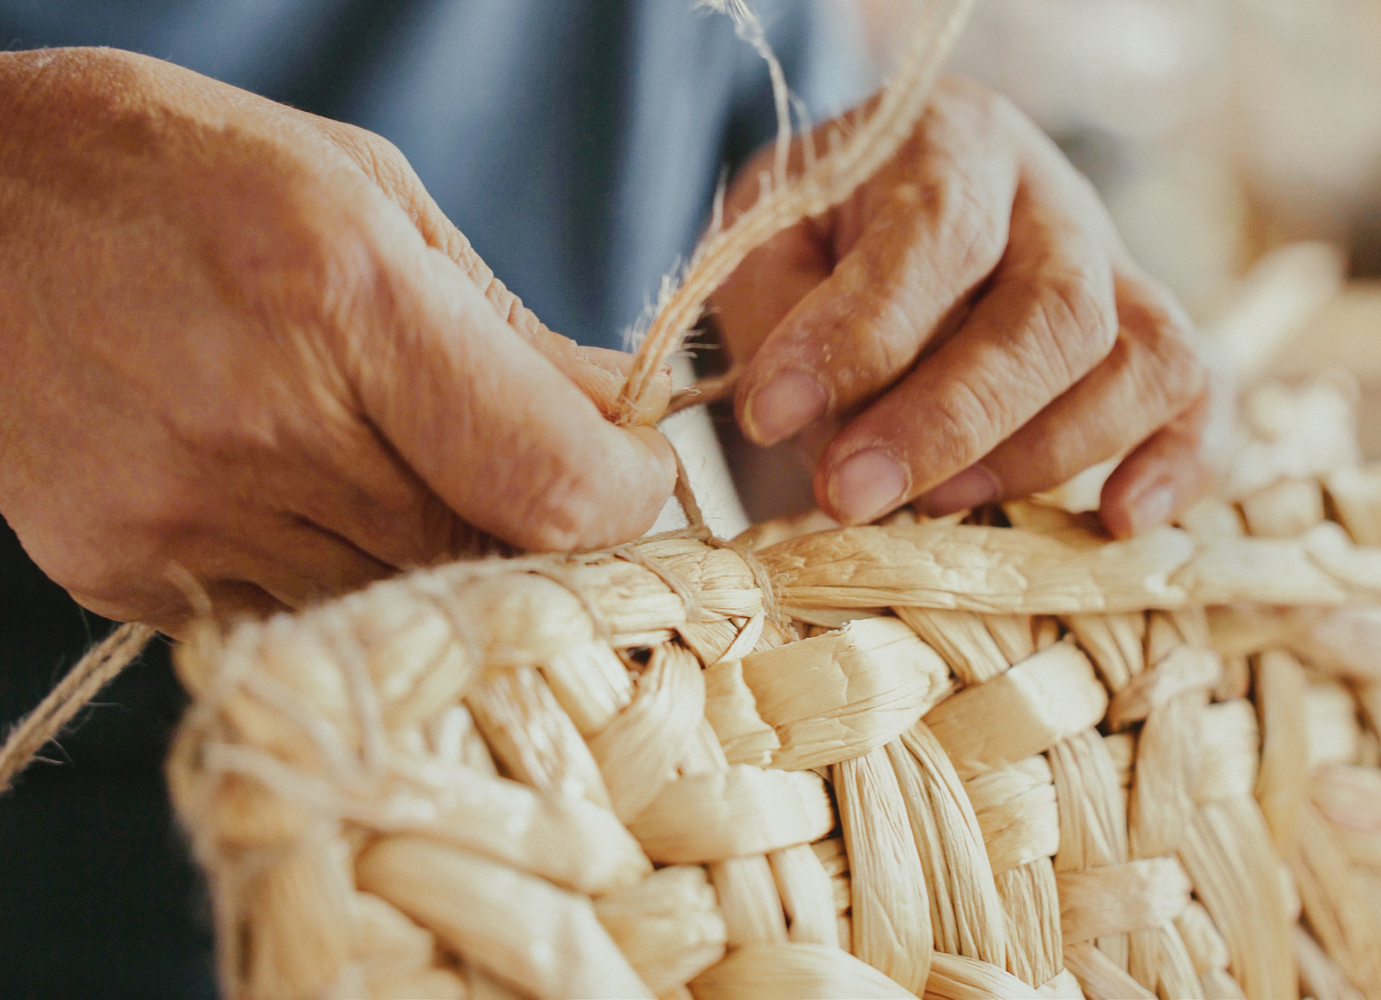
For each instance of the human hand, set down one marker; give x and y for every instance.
(243, 339)
(968, 327)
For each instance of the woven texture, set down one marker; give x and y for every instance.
(934, 758)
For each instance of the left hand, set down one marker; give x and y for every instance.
(968, 327)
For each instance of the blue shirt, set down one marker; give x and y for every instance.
(576, 143)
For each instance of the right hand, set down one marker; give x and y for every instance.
(243, 339)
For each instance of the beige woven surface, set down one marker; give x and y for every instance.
(936, 759)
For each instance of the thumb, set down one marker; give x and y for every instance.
(495, 429)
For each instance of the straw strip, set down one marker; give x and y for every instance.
(1092, 809)
(962, 638)
(1219, 984)
(1011, 570)
(807, 895)
(1332, 732)
(954, 977)
(793, 971)
(733, 712)
(1202, 941)
(1026, 710)
(668, 926)
(891, 911)
(1165, 775)
(531, 737)
(1032, 904)
(965, 912)
(1318, 973)
(1175, 975)
(298, 912)
(1065, 986)
(1228, 852)
(491, 913)
(1228, 752)
(1280, 782)
(1356, 496)
(1016, 810)
(1285, 509)
(1100, 978)
(639, 749)
(1114, 899)
(748, 898)
(1185, 669)
(1338, 914)
(726, 814)
(843, 693)
(390, 948)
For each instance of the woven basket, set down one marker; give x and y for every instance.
(952, 759)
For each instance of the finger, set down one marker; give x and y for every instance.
(1047, 318)
(231, 601)
(296, 562)
(344, 478)
(1151, 376)
(293, 562)
(494, 429)
(599, 373)
(930, 239)
(1171, 470)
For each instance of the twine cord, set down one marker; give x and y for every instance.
(826, 183)
(102, 664)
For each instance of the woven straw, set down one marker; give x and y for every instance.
(997, 757)
(925, 758)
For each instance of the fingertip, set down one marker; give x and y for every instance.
(614, 497)
(660, 461)
(1127, 514)
(865, 486)
(777, 409)
(964, 490)
(1166, 474)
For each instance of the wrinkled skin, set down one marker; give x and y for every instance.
(968, 327)
(243, 340)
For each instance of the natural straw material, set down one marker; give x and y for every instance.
(617, 774)
(1000, 758)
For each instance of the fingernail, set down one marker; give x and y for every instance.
(1152, 507)
(783, 406)
(973, 487)
(867, 485)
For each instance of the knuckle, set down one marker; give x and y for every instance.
(1078, 319)
(969, 230)
(1169, 365)
(1182, 374)
(377, 156)
(963, 101)
(970, 419)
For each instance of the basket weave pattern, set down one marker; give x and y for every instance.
(927, 758)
